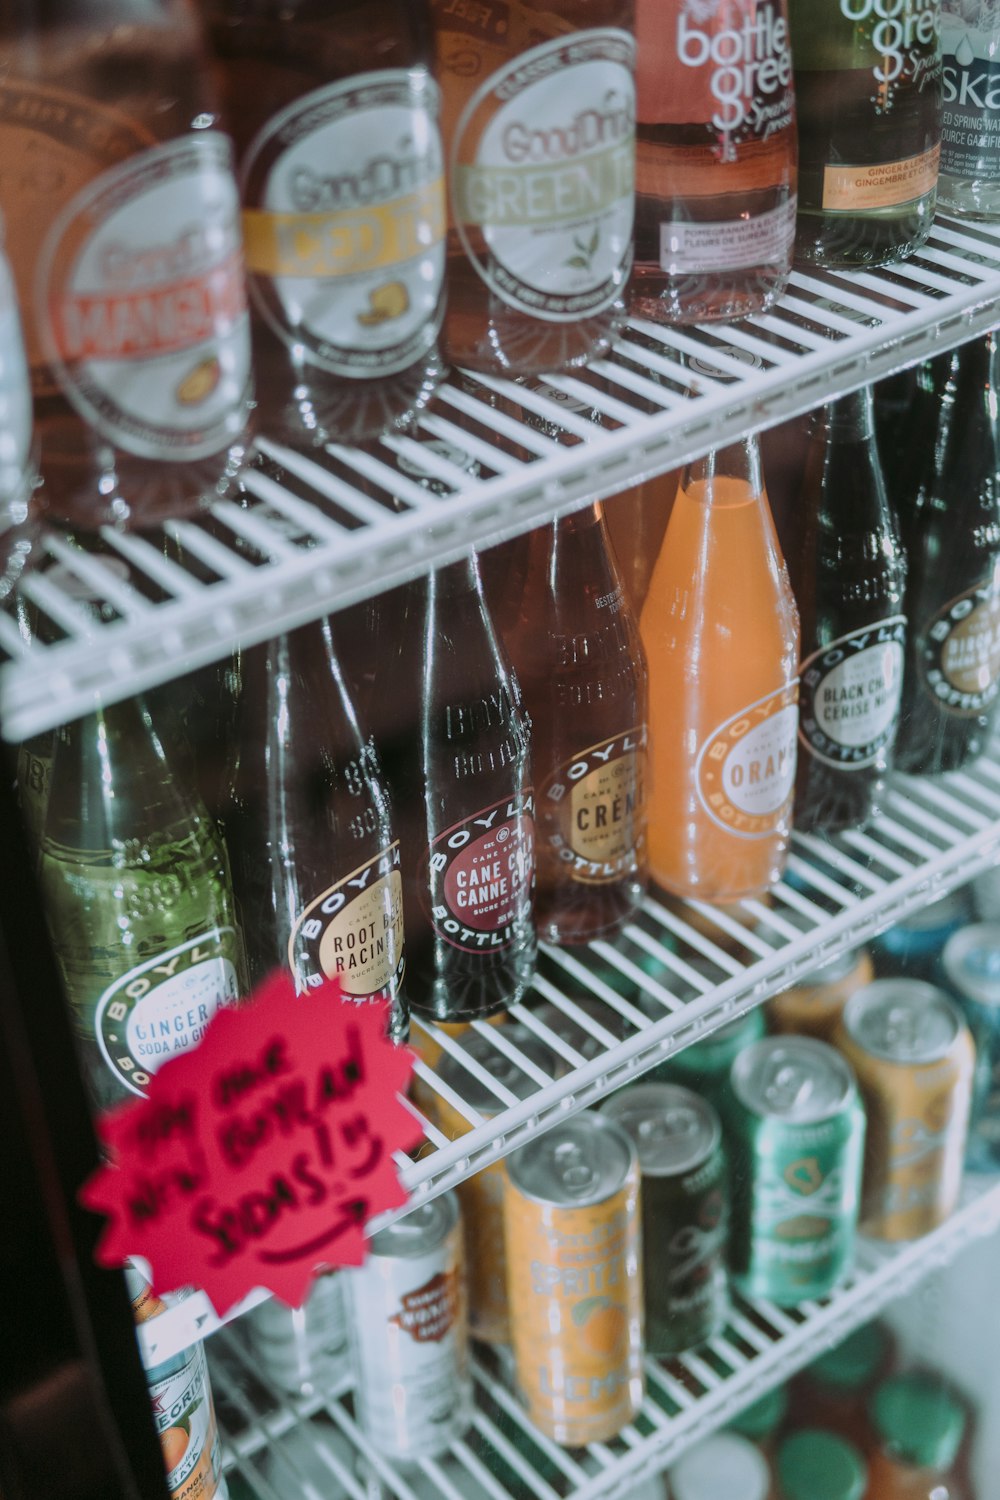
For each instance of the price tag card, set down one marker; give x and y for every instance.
(256, 1159)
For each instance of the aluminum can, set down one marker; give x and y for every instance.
(971, 963)
(409, 1340)
(912, 948)
(914, 1059)
(180, 1391)
(685, 1211)
(302, 1350)
(814, 1005)
(796, 1150)
(482, 1196)
(574, 1279)
(706, 1065)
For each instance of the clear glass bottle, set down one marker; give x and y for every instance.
(575, 647)
(715, 161)
(969, 180)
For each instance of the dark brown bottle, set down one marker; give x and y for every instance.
(848, 575)
(459, 771)
(951, 530)
(316, 866)
(123, 233)
(335, 115)
(582, 669)
(539, 129)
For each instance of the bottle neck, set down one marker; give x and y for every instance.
(851, 418)
(717, 473)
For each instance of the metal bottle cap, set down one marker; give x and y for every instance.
(971, 962)
(583, 1161)
(423, 1229)
(793, 1078)
(673, 1129)
(483, 1050)
(902, 1020)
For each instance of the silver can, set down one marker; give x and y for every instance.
(302, 1350)
(409, 1339)
(971, 962)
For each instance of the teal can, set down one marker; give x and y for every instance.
(706, 1066)
(796, 1144)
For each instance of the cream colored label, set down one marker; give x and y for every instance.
(746, 767)
(961, 651)
(354, 932)
(886, 185)
(594, 809)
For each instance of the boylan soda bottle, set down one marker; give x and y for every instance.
(951, 531)
(575, 647)
(969, 180)
(458, 767)
(848, 574)
(316, 866)
(16, 466)
(539, 128)
(715, 159)
(335, 115)
(124, 237)
(868, 94)
(721, 633)
(139, 902)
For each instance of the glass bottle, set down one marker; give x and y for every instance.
(138, 897)
(969, 180)
(715, 160)
(868, 95)
(724, 1464)
(951, 531)
(16, 467)
(124, 238)
(832, 1392)
(335, 115)
(576, 650)
(814, 1463)
(721, 634)
(919, 1425)
(316, 865)
(458, 766)
(539, 128)
(848, 575)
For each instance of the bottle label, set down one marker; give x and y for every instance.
(728, 64)
(960, 651)
(737, 245)
(746, 768)
(480, 876)
(354, 932)
(142, 306)
(345, 223)
(971, 89)
(850, 695)
(887, 184)
(543, 176)
(593, 809)
(185, 1421)
(162, 1007)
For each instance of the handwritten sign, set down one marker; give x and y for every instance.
(256, 1159)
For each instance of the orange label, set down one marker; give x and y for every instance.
(890, 183)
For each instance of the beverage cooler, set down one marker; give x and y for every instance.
(532, 601)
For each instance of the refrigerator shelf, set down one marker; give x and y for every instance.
(489, 459)
(277, 1446)
(606, 1014)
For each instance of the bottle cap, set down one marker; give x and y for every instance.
(720, 1468)
(815, 1465)
(918, 1420)
(854, 1362)
(764, 1417)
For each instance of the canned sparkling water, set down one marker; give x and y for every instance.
(796, 1151)
(814, 1005)
(971, 963)
(482, 1196)
(573, 1258)
(914, 1059)
(302, 1350)
(685, 1211)
(706, 1065)
(409, 1343)
(181, 1394)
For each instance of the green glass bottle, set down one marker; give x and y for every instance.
(138, 895)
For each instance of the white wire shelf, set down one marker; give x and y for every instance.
(605, 1015)
(278, 1447)
(489, 459)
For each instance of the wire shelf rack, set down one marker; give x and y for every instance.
(277, 1447)
(489, 459)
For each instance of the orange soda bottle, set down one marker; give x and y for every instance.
(721, 633)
